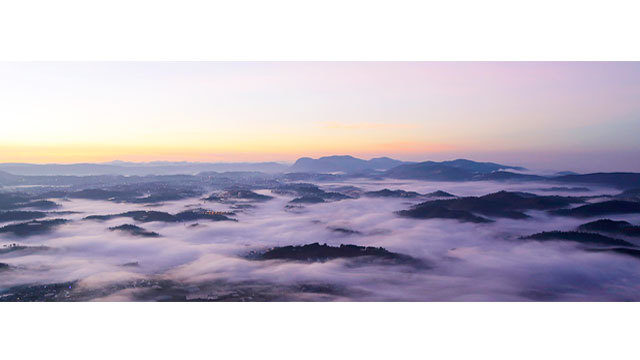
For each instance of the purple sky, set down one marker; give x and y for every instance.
(580, 116)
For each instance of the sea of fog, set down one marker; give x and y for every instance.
(468, 262)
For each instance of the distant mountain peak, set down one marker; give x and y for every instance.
(343, 163)
(340, 157)
(454, 170)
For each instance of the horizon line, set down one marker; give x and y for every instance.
(281, 162)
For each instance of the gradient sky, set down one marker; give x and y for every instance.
(548, 115)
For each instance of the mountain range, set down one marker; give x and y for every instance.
(326, 168)
(136, 168)
(328, 164)
(454, 170)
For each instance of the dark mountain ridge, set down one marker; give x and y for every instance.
(457, 170)
(586, 238)
(134, 230)
(612, 226)
(149, 216)
(503, 204)
(33, 227)
(308, 169)
(610, 207)
(321, 253)
(622, 180)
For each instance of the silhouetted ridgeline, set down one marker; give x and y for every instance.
(622, 180)
(316, 252)
(134, 230)
(33, 227)
(456, 170)
(579, 237)
(237, 194)
(329, 168)
(502, 204)
(13, 201)
(307, 199)
(602, 208)
(611, 226)
(149, 216)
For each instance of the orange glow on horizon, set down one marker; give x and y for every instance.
(259, 152)
(271, 111)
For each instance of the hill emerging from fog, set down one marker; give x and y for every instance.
(374, 230)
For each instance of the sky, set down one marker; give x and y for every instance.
(581, 116)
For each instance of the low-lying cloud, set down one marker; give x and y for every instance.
(470, 262)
